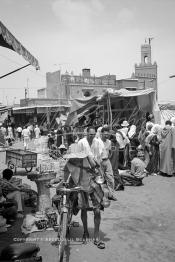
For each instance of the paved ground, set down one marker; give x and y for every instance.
(139, 227)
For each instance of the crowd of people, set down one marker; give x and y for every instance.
(9, 134)
(126, 156)
(123, 154)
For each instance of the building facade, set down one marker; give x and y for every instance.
(86, 85)
(69, 86)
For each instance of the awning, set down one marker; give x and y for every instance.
(4, 108)
(144, 100)
(40, 109)
(9, 41)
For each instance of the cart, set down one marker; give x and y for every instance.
(21, 158)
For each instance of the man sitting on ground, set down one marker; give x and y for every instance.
(138, 171)
(10, 191)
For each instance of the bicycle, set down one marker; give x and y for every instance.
(65, 209)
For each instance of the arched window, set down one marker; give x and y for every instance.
(146, 59)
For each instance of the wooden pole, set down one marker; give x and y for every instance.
(109, 111)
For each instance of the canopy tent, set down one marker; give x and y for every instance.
(115, 105)
(9, 41)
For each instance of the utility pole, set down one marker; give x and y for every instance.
(27, 90)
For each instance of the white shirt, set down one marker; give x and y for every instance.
(94, 150)
(123, 141)
(106, 147)
(26, 132)
(132, 131)
(37, 132)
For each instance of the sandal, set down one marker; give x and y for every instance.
(99, 243)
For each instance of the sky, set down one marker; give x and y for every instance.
(103, 35)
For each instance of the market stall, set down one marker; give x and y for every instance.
(114, 106)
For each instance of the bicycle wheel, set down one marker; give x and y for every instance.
(63, 234)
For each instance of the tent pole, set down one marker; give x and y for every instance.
(109, 111)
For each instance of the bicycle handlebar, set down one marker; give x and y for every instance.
(73, 189)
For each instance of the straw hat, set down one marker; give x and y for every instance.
(125, 123)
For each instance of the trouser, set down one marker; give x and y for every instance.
(17, 196)
(121, 158)
(26, 142)
(19, 135)
(109, 176)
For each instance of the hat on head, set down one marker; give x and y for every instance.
(125, 123)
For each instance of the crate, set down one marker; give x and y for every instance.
(21, 158)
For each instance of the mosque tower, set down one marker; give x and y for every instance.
(146, 71)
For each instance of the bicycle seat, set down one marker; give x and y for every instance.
(19, 251)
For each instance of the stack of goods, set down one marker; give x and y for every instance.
(48, 164)
(3, 227)
(52, 217)
(41, 220)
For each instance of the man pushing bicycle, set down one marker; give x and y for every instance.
(86, 173)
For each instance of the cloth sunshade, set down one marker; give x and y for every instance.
(9, 41)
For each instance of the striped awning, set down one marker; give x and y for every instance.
(9, 41)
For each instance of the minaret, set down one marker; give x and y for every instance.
(146, 71)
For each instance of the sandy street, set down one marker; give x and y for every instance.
(140, 226)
